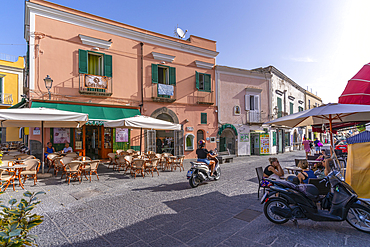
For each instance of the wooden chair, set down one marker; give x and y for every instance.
(63, 162)
(33, 166)
(259, 171)
(91, 169)
(151, 165)
(178, 162)
(137, 167)
(7, 179)
(51, 160)
(73, 170)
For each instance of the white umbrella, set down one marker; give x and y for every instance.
(41, 117)
(142, 122)
(330, 113)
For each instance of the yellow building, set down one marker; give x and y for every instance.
(11, 89)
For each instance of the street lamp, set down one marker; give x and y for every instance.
(48, 84)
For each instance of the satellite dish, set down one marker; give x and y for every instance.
(180, 33)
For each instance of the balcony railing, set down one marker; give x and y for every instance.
(203, 97)
(163, 92)
(254, 117)
(6, 99)
(95, 85)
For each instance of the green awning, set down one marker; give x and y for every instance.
(19, 104)
(97, 113)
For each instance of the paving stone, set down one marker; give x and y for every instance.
(167, 241)
(241, 242)
(121, 238)
(185, 235)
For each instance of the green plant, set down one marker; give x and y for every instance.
(17, 221)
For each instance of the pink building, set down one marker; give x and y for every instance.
(243, 101)
(112, 70)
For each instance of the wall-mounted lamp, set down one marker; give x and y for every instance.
(48, 84)
(186, 121)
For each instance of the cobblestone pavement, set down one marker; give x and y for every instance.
(163, 210)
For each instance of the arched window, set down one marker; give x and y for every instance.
(189, 142)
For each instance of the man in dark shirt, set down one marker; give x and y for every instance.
(203, 155)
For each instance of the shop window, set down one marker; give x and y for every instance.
(189, 142)
(203, 81)
(287, 139)
(94, 63)
(291, 107)
(163, 74)
(203, 118)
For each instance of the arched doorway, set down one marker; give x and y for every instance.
(165, 138)
(227, 140)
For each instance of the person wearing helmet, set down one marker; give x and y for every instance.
(203, 155)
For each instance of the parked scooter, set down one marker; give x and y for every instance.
(286, 201)
(200, 172)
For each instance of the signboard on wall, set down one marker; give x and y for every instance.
(36, 131)
(264, 143)
(61, 135)
(121, 135)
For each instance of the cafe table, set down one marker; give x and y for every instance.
(293, 169)
(18, 170)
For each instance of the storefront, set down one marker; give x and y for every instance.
(92, 139)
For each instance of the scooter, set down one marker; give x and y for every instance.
(284, 201)
(200, 172)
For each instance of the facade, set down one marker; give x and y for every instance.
(287, 97)
(11, 90)
(112, 70)
(243, 106)
(312, 101)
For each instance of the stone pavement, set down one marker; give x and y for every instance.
(163, 210)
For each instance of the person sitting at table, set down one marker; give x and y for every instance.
(273, 170)
(48, 150)
(67, 148)
(306, 173)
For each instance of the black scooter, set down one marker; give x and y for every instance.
(286, 201)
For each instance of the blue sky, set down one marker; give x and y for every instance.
(319, 44)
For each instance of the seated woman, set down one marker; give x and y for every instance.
(67, 148)
(273, 170)
(48, 150)
(306, 173)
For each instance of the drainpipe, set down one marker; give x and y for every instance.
(142, 91)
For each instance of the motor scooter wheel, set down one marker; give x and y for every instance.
(217, 174)
(359, 217)
(274, 218)
(194, 181)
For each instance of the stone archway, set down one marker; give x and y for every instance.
(165, 110)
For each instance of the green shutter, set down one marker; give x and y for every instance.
(274, 138)
(197, 80)
(291, 108)
(172, 76)
(154, 73)
(207, 82)
(82, 61)
(203, 118)
(108, 65)
(279, 105)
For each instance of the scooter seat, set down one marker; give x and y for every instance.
(309, 190)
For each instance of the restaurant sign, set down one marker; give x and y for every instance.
(93, 122)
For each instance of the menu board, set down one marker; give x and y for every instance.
(121, 135)
(61, 135)
(264, 144)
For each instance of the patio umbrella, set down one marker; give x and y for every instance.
(41, 117)
(330, 113)
(142, 122)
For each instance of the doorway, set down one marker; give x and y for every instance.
(281, 141)
(200, 136)
(255, 144)
(93, 141)
(165, 138)
(227, 141)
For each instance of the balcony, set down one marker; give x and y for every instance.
(204, 98)
(95, 85)
(163, 92)
(254, 117)
(6, 99)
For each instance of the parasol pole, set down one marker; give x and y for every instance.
(42, 143)
(331, 134)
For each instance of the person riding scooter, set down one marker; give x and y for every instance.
(203, 155)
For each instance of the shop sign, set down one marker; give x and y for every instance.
(121, 135)
(36, 131)
(265, 143)
(93, 122)
(189, 128)
(244, 137)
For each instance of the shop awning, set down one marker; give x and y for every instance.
(96, 113)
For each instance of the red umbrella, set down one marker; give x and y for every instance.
(357, 90)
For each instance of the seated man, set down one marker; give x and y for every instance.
(67, 148)
(203, 155)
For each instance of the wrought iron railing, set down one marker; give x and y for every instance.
(95, 85)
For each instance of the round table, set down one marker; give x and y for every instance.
(18, 169)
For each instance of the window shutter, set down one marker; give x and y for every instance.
(207, 82)
(257, 102)
(172, 76)
(197, 80)
(82, 61)
(274, 138)
(203, 118)
(108, 65)
(154, 73)
(291, 108)
(247, 103)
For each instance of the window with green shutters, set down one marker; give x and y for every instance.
(94, 63)
(300, 108)
(274, 138)
(203, 82)
(163, 74)
(291, 108)
(203, 118)
(280, 108)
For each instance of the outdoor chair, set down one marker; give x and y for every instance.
(112, 160)
(178, 162)
(33, 166)
(298, 160)
(58, 166)
(122, 163)
(128, 159)
(6, 179)
(137, 167)
(259, 171)
(160, 162)
(73, 170)
(166, 162)
(64, 161)
(151, 165)
(91, 169)
(83, 158)
(71, 155)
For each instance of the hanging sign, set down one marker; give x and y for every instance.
(121, 135)
(61, 135)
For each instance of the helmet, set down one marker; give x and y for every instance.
(293, 179)
(202, 143)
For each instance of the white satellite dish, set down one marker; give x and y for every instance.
(180, 33)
